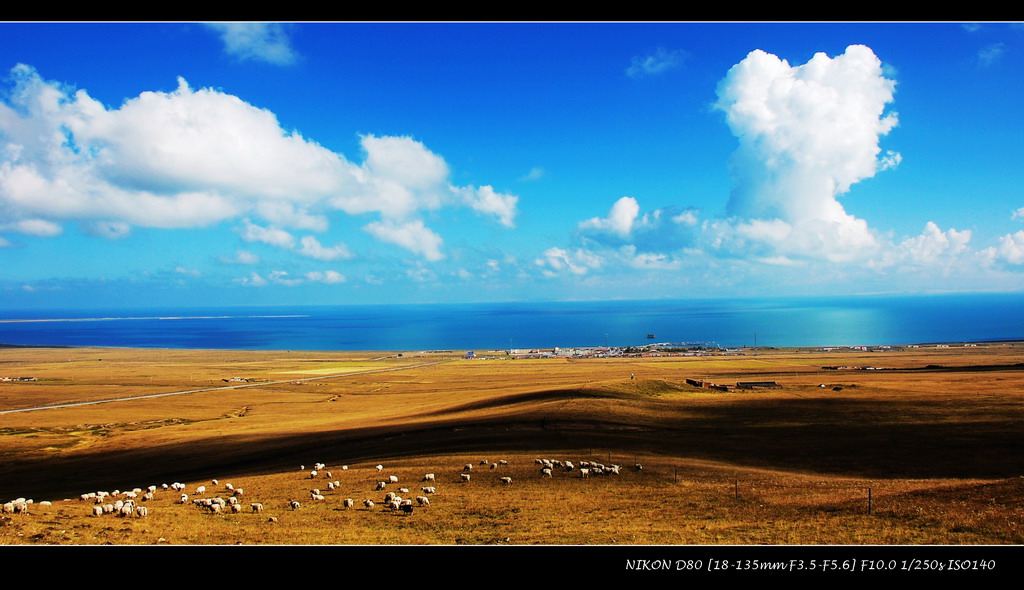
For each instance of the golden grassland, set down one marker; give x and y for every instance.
(935, 437)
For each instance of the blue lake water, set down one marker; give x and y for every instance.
(804, 321)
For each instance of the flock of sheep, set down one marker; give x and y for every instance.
(131, 503)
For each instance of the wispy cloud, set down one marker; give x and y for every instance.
(267, 42)
(535, 173)
(992, 53)
(659, 62)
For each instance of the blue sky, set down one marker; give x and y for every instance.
(191, 163)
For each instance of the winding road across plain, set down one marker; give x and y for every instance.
(221, 388)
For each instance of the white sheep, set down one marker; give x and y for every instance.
(184, 498)
(327, 475)
(294, 504)
(96, 510)
(229, 487)
(319, 497)
(429, 477)
(368, 503)
(214, 482)
(392, 479)
(381, 485)
(239, 491)
(348, 503)
(236, 508)
(584, 473)
(344, 467)
(546, 472)
(256, 507)
(465, 477)
(429, 490)
(502, 462)
(506, 481)
(380, 468)
(468, 467)
(312, 474)
(494, 466)
(423, 500)
(141, 511)
(330, 486)
(200, 490)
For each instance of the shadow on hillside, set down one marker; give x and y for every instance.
(840, 436)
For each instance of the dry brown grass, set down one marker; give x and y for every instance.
(938, 449)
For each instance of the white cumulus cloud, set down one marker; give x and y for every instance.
(413, 236)
(195, 157)
(807, 133)
(312, 248)
(328, 277)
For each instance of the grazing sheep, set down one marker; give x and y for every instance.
(239, 492)
(337, 484)
(214, 482)
(312, 474)
(215, 508)
(319, 498)
(256, 507)
(314, 492)
(468, 467)
(348, 502)
(294, 504)
(233, 501)
(153, 488)
(494, 466)
(147, 496)
(392, 479)
(380, 468)
(584, 473)
(638, 467)
(484, 461)
(164, 486)
(302, 467)
(381, 485)
(502, 462)
(229, 487)
(506, 481)
(184, 498)
(344, 467)
(272, 519)
(406, 508)
(96, 510)
(108, 509)
(388, 497)
(368, 503)
(327, 475)
(141, 511)
(200, 490)
(429, 477)
(546, 472)
(236, 508)
(465, 477)
(319, 466)
(569, 466)
(429, 490)
(423, 500)
(330, 486)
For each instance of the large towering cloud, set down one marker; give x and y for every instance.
(807, 133)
